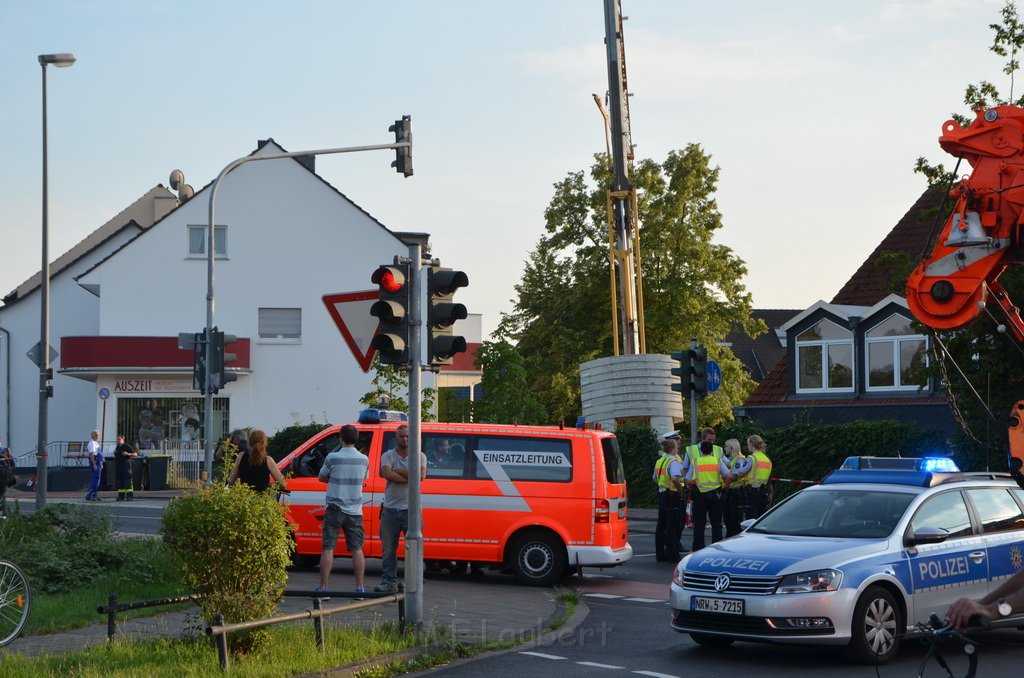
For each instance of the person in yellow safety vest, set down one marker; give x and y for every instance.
(735, 494)
(760, 472)
(706, 476)
(667, 530)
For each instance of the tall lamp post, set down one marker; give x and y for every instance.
(45, 374)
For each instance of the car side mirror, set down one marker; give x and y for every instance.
(927, 535)
(744, 524)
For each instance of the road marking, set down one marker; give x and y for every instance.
(600, 666)
(648, 600)
(602, 595)
(655, 674)
(542, 655)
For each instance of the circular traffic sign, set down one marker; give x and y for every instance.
(714, 376)
(104, 393)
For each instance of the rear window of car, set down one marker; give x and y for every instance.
(853, 514)
(997, 509)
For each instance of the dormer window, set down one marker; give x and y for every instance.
(824, 358)
(896, 356)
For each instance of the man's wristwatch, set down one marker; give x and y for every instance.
(1004, 608)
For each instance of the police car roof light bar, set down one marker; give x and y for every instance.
(939, 464)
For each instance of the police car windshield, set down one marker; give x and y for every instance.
(838, 512)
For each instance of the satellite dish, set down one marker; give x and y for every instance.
(186, 192)
(177, 179)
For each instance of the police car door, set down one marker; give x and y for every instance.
(941, 573)
(1002, 523)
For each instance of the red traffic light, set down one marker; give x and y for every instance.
(390, 279)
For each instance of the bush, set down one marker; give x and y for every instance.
(61, 545)
(810, 451)
(287, 439)
(640, 449)
(231, 545)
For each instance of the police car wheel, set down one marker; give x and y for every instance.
(876, 627)
(708, 640)
(538, 559)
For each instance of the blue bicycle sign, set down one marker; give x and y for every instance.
(714, 376)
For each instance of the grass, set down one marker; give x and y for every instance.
(289, 651)
(61, 611)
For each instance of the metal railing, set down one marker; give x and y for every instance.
(219, 631)
(113, 607)
(185, 464)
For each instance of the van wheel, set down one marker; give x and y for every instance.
(876, 627)
(305, 561)
(538, 559)
(708, 640)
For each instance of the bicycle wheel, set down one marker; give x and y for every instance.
(15, 601)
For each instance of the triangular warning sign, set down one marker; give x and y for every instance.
(351, 313)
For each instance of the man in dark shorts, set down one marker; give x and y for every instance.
(344, 471)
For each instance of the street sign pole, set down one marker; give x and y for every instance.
(693, 405)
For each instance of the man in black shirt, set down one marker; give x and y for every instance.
(123, 454)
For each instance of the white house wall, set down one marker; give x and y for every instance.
(73, 311)
(291, 239)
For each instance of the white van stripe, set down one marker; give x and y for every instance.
(459, 502)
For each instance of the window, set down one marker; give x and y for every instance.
(896, 356)
(281, 325)
(198, 235)
(825, 358)
(946, 511)
(540, 459)
(997, 509)
(446, 455)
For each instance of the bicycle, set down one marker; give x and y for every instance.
(15, 601)
(939, 630)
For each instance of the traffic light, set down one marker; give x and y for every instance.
(699, 371)
(392, 341)
(220, 377)
(403, 156)
(442, 344)
(197, 342)
(683, 372)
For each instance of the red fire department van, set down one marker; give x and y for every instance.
(540, 501)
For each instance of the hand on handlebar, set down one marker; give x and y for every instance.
(962, 611)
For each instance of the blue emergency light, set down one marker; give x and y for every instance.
(916, 471)
(375, 415)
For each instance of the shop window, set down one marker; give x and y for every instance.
(825, 358)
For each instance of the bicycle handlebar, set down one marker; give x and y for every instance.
(940, 629)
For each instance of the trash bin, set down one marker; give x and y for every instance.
(158, 464)
(138, 466)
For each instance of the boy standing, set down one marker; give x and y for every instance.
(344, 471)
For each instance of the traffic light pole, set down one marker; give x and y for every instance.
(208, 397)
(414, 534)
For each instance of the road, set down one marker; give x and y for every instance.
(627, 629)
(627, 633)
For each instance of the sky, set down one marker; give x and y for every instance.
(814, 111)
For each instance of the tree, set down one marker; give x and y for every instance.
(692, 288)
(389, 383)
(990, 359)
(506, 387)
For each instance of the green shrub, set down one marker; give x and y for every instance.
(231, 545)
(287, 439)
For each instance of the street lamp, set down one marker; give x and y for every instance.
(45, 373)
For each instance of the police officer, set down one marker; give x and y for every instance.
(735, 494)
(706, 474)
(668, 529)
(758, 494)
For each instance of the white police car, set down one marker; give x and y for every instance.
(858, 560)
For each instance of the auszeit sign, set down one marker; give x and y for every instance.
(151, 386)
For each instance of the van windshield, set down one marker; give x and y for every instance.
(613, 470)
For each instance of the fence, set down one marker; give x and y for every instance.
(187, 459)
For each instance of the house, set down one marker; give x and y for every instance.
(859, 356)
(293, 260)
